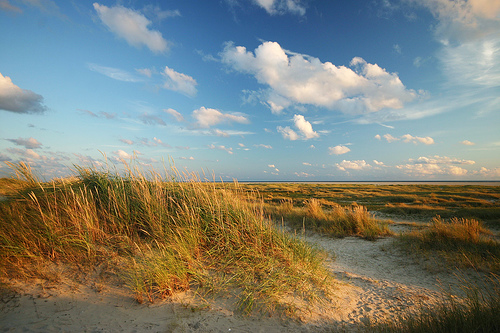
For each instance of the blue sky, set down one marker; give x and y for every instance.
(254, 89)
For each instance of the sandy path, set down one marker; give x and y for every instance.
(380, 283)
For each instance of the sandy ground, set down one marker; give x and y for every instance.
(379, 283)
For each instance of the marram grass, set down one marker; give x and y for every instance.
(336, 221)
(461, 242)
(170, 234)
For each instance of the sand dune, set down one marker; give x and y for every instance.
(377, 283)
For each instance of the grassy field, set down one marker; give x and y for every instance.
(415, 202)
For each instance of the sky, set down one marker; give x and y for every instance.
(253, 90)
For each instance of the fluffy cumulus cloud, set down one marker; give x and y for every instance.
(304, 127)
(131, 26)
(179, 82)
(338, 150)
(29, 143)
(18, 100)
(435, 165)
(407, 138)
(467, 143)
(296, 79)
(353, 165)
(207, 117)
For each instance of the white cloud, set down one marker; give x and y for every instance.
(390, 138)
(272, 166)
(304, 127)
(296, 79)
(440, 160)
(218, 132)
(303, 174)
(131, 26)
(378, 163)
(407, 138)
(124, 155)
(435, 165)
(338, 150)
(179, 82)
(467, 143)
(174, 114)
(353, 165)
(490, 173)
(223, 148)
(15, 99)
(274, 7)
(416, 139)
(263, 146)
(114, 73)
(29, 143)
(288, 133)
(462, 20)
(206, 117)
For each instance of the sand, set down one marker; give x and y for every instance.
(378, 283)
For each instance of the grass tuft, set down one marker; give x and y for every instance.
(336, 221)
(462, 242)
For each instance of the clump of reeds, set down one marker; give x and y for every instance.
(477, 312)
(464, 242)
(174, 233)
(337, 221)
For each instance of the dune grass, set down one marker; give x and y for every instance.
(163, 234)
(462, 242)
(336, 221)
(477, 312)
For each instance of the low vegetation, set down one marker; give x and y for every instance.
(162, 235)
(477, 312)
(336, 221)
(462, 242)
(419, 202)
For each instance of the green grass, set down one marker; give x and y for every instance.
(162, 234)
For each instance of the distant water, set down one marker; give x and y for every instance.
(410, 182)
